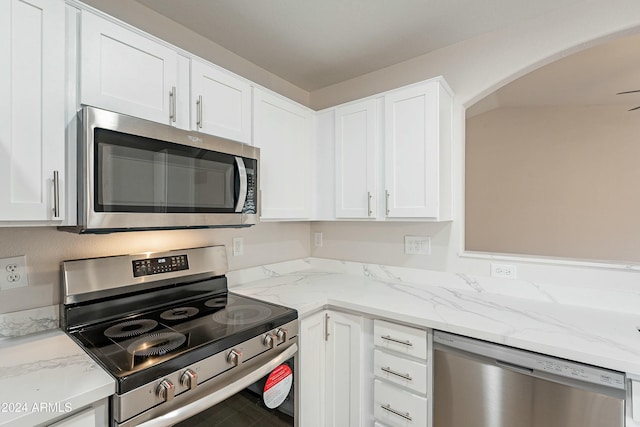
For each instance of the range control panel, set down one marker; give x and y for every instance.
(150, 266)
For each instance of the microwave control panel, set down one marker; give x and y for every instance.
(150, 266)
(250, 202)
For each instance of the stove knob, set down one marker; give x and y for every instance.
(234, 357)
(269, 340)
(166, 390)
(282, 334)
(189, 379)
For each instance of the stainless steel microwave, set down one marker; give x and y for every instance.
(139, 175)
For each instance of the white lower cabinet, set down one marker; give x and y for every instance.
(402, 368)
(312, 370)
(97, 415)
(397, 407)
(334, 370)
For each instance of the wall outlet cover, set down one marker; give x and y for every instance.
(13, 272)
(238, 246)
(417, 245)
(507, 271)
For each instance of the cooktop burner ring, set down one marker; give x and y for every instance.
(179, 313)
(217, 302)
(130, 328)
(156, 344)
(242, 314)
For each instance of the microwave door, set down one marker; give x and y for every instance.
(131, 180)
(201, 184)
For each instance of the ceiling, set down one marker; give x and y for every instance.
(317, 43)
(590, 77)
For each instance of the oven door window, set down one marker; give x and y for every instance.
(135, 174)
(248, 408)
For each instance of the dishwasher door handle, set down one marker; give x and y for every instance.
(515, 368)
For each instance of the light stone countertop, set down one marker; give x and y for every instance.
(46, 375)
(452, 303)
(50, 368)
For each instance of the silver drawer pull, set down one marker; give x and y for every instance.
(397, 374)
(406, 415)
(388, 338)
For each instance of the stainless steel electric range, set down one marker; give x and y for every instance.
(182, 349)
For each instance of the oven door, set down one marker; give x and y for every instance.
(264, 396)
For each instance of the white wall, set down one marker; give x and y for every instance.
(475, 68)
(46, 247)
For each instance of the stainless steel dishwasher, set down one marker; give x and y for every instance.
(480, 384)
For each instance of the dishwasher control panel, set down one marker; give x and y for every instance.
(530, 363)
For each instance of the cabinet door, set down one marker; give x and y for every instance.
(312, 370)
(344, 374)
(221, 102)
(356, 139)
(412, 151)
(282, 130)
(126, 72)
(32, 52)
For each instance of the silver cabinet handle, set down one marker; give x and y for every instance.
(172, 104)
(199, 112)
(386, 203)
(397, 374)
(388, 338)
(56, 195)
(369, 203)
(406, 415)
(326, 327)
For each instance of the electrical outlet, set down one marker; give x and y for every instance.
(317, 239)
(507, 271)
(417, 245)
(238, 246)
(13, 272)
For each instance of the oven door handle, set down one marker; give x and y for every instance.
(221, 394)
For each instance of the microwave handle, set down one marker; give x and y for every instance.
(242, 172)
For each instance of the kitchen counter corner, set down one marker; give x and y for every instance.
(46, 375)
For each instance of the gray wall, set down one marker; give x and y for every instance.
(555, 181)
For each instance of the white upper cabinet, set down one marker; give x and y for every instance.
(282, 131)
(32, 76)
(417, 146)
(221, 102)
(127, 72)
(393, 155)
(356, 136)
(324, 159)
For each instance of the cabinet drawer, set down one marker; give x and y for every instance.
(400, 338)
(400, 371)
(396, 407)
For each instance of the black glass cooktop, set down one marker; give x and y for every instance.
(142, 346)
